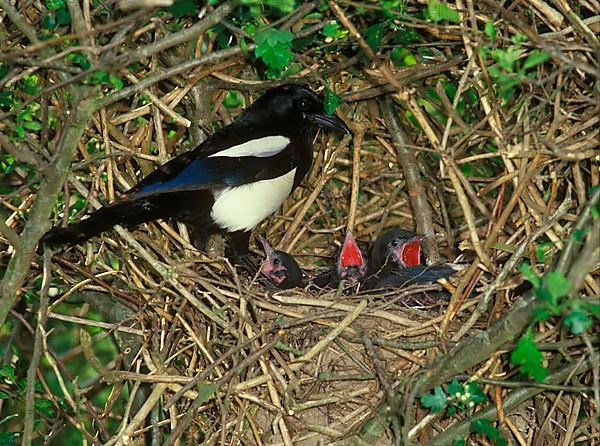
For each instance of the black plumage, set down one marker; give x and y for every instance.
(396, 262)
(230, 182)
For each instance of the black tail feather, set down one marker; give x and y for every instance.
(128, 212)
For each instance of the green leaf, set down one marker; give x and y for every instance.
(578, 321)
(331, 101)
(63, 17)
(436, 401)
(9, 438)
(33, 125)
(49, 21)
(8, 372)
(490, 31)
(45, 407)
(535, 58)
(233, 99)
(557, 284)
(594, 309)
(274, 48)
(373, 36)
(20, 131)
(284, 6)
(206, 391)
(181, 8)
(80, 60)
(579, 234)
(115, 81)
(529, 359)
(485, 427)
(530, 275)
(439, 11)
(53, 5)
(475, 393)
(459, 442)
(330, 30)
(455, 389)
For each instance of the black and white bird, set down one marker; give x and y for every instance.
(280, 268)
(231, 182)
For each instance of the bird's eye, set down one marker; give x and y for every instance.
(276, 261)
(303, 104)
(394, 243)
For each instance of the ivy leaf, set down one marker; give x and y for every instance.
(485, 427)
(455, 389)
(439, 11)
(181, 8)
(274, 48)
(206, 391)
(475, 392)
(529, 359)
(331, 101)
(578, 321)
(436, 401)
(373, 35)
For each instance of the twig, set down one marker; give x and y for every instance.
(359, 132)
(37, 352)
(509, 266)
(412, 175)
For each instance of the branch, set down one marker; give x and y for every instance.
(37, 353)
(511, 401)
(412, 175)
(18, 21)
(38, 222)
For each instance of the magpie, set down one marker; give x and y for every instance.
(228, 184)
(280, 268)
(397, 261)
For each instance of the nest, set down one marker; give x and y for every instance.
(205, 353)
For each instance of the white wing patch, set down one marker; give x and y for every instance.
(260, 147)
(241, 208)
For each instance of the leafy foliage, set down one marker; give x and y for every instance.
(274, 48)
(529, 358)
(486, 428)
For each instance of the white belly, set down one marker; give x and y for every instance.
(241, 208)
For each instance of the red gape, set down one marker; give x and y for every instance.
(411, 253)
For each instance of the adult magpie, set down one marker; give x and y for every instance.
(231, 182)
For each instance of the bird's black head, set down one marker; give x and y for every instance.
(398, 247)
(280, 267)
(351, 263)
(293, 108)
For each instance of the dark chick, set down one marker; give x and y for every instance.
(398, 261)
(280, 268)
(229, 183)
(350, 266)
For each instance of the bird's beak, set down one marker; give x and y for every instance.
(409, 253)
(269, 252)
(351, 254)
(329, 122)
